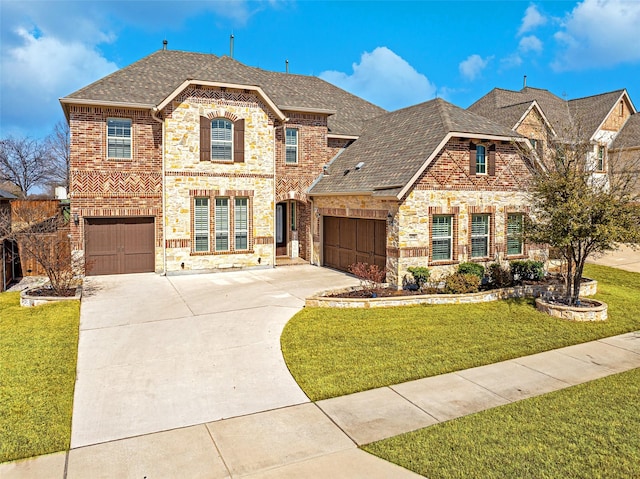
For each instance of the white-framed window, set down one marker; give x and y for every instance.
(441, 237)
(481, 160)
(514, 234)
(291, 146)
(222, 224)
(221, 139)
(480, 236)
(201, 224)
(119, 138)
(241, 223)
(600, 158)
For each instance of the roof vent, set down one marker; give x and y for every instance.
(359, 165)
(231, 45)
(164, 44)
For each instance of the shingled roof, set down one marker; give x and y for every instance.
(585, 114)
(149, 81)
(629, 136)
(395, 146)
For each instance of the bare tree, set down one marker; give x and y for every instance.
(24, 162)
(43, 235)
(58, 144)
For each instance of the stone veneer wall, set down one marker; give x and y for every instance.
(101, 187)
(445, 187)
(187, 177)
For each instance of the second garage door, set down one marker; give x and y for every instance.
(354, 240)
(119, 245)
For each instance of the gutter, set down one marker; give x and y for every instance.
(154, 115)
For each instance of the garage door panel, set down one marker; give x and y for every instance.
(352, 240)
(119, 245)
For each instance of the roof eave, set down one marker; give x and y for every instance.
(279, 114)
(304, 109)
(114, 104)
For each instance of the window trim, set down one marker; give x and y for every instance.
(216, 230)
(482, 163)
(109, 137)
(287, 146)
(509, 236)
(449, 237)
(486, 236)
(229, 142)
(196, 232)
(237, 230)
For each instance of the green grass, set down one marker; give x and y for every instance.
(590, 430)
(38, 352)
(332, 352)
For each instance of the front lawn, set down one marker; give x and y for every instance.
(332, 352)
(38, 348)
(590, 430)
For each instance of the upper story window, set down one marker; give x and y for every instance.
(119, 138)
(600, 158)
(291, 146)
(481, 160)
(221, 139)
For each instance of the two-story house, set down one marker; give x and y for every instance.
(193, 162)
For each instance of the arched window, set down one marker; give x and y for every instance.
(221, 139)
(481, 160)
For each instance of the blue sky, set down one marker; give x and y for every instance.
(392, 53)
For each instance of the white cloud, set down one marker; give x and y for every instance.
(385, 79)
(39, 70)
(512, 61)
(597, 34)
(530, 43)
(531, 20)
(472, 67)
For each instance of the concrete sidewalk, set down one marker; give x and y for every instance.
(320, 440)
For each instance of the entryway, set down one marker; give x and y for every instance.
(287, 242)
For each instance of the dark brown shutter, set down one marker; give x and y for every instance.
(472, 159)
(492, 160)
(238, 141)
(205, 139)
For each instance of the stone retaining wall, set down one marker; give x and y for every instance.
(588, 288)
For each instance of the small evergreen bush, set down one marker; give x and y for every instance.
(420, 275)
(471, 268)
(459, 283)
(527, 270)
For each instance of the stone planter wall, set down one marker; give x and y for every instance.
(30, 301)
(574, 313)
(587, 288)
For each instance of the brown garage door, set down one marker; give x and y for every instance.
(354, 240)
(119, 245)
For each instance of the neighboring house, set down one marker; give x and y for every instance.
(192, 162)
(430, 185)
(547, 120)
(625, 152)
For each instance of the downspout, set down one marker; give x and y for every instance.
(154, 113)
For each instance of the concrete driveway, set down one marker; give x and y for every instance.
(158, 353)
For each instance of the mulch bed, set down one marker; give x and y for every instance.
(47, 291)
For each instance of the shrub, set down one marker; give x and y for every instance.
(527, 270)
(471, 268)
(370, 275)
(458, 283)
(420, 275)
(499, 277)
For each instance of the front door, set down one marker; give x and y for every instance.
(281, 229)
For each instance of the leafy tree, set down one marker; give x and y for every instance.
(578, 211)
(25, 163)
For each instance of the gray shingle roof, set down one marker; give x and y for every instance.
(394, 146)
(629, 136)
(150, 80)
(583, 115)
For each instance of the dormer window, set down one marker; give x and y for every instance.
(221, 140)
(482, 159)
